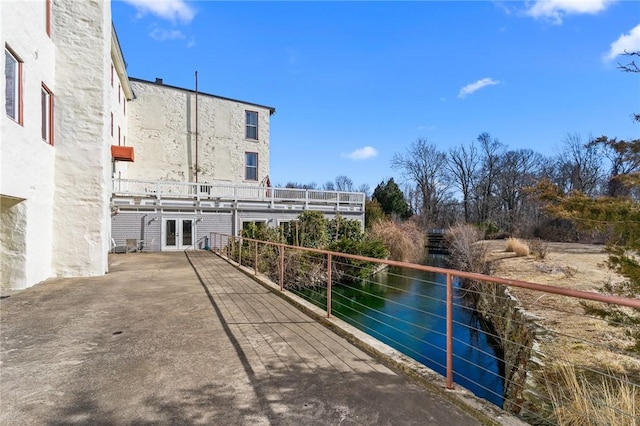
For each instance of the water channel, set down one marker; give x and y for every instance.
(406, 309)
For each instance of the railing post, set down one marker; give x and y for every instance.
(306, 199)
(272, 196)
(449, 332)
(281, 268)
(239, 251)
(255, 258)
(328, 285)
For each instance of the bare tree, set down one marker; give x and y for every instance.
(344, 183)
(425, 167)
(579, 166)
(329, 186)
(486, 202)
(463, 169)
(365, 188)
(519, 170)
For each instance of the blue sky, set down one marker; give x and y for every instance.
(355, 82)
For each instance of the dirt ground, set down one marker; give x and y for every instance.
(584, 341)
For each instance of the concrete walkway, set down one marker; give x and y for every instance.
(170, 339)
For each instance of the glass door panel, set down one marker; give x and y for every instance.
(187, 232)
(170, 233)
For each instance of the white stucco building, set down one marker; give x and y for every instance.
(55, 157)
(92, 160)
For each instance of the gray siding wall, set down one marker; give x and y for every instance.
(212, 222)
(147, 227)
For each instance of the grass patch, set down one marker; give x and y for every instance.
(517, 246)
(601, 400)
(405, 240)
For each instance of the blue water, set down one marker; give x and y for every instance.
(406, 309)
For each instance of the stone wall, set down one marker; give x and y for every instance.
(162, 130)
(517, 333)
(82, 222)
(27, 161)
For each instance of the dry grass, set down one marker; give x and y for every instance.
(539, 248)
(517, 246)
(604, 400)
(466, 252)
(405, 240)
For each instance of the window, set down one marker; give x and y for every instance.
(111, 124)
(111, 75)
(118, 135)
(251, 166)
(118, 93)
(47, 114)
(13, 86)
(252, 125)
(48, 17)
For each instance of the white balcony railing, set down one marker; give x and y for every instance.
(233, 192)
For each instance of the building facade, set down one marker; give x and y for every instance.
(92, 161)
(55, 163)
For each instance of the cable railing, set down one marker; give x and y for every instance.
(547, 363)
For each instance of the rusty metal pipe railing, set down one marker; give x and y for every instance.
(580, 294)
(449, 378)
(449, 273)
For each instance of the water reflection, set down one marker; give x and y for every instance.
(406, 310)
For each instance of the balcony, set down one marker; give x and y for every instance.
(226, 195)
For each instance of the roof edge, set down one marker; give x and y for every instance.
(272, 110)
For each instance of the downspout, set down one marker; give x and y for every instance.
(196, 169)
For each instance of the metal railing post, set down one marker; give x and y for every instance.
(281, 268)
(328, 285)
(239, 251)
(255, 258)
(449, 332)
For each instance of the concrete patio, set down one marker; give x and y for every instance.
(175, 338)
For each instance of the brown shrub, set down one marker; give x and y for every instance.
(466, 251)
(405, 240)
(517, 246)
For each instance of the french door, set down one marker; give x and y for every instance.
(177, 234)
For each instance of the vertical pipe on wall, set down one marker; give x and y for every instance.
(196, 168)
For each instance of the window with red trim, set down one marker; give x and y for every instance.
(13, 86)
(47, 114)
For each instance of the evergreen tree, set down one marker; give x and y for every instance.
(391, 199)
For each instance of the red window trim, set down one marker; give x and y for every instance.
(246, 124)
(48, 17)
(246, 178)
(20, 95)
(50, 118)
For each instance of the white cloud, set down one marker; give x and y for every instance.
(172, 10)
(474, 87)
(629, 42)
(160, 34)
(361, 153)
(555, 10)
